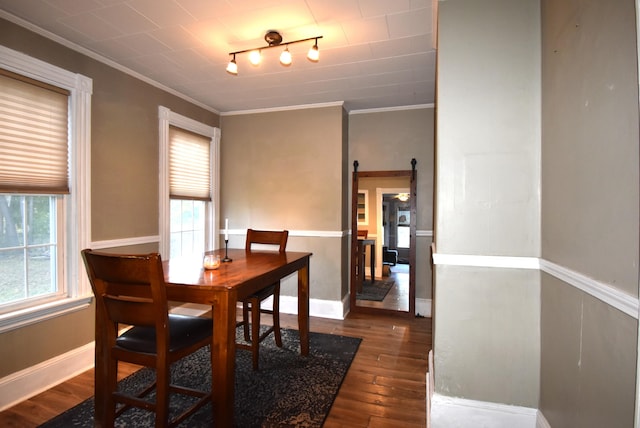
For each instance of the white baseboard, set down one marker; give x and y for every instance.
(317, 308)
(423, 307)
(451, 412)
(430, 387)
(31, 381)
(541, 421)
(337, 310)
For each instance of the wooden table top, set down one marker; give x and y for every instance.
(247, 272)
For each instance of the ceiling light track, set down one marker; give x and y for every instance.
(274, 39)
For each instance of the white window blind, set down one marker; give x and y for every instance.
(189, 165)
(34, 144)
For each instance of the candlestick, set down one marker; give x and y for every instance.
(226, 248)
(226, 229)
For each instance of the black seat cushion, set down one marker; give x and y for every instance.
(184, 331)
(264, 293)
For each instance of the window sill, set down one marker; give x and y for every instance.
(34, 314)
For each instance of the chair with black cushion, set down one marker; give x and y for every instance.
(389, 257)
(252, 335)
(130, 290)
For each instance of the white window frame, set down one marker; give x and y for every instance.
(169, 118)
(76, 231)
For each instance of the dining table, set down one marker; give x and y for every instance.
(247, 272)
(363, 243)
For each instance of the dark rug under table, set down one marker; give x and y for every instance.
(288, 391)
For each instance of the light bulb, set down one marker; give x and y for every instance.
(255, 57)
(232, 67)
(313, 54)
(285, 57)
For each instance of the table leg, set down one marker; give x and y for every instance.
(223, 360)
(360, 270)
(303, 308)
(373, 263)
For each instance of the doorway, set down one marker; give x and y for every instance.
(383, 222)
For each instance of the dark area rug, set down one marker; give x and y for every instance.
(376, 291)
(288, 391)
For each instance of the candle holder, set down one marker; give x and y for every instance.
(211, 262)
(226, 255)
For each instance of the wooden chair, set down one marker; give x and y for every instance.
(253, 302)
(130, 290)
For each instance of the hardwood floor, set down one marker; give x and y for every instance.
(384, 387)
(398, 297)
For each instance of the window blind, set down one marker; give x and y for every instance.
(189, 165)
(34, 142)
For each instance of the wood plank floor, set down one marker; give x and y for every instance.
(384, 387)
(398, 297)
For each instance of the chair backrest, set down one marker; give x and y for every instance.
(267, 237)
(129, 289)
(363, 234)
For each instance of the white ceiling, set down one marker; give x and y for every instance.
(373, 54)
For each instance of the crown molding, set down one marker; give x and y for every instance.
(91, 54)
(285, 108)
(388, 109)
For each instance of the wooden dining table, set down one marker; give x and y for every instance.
(363, 243)
(223, 288)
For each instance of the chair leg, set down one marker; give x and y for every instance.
(245, 320)
(162, 396)
(255, 332)
(112, 385)
(276, 315)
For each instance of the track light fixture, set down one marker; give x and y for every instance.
(274, 39)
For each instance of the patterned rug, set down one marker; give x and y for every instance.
(288, 391)
(376, 291)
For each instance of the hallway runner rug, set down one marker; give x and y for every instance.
(288, 391)
(375, 292)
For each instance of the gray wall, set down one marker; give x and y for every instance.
(590, 215)
(494, 328)
(285, 170)
(124, 180)
(387, 141)
(486, 343)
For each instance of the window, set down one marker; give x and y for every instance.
(44, 156)
(188, 190)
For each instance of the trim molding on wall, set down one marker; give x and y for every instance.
(387, 109)
(453, 411)
(125, 242)
(607, 293)
(285, 108)
(64, 42)
(541, 421)
(31, 27)
(423, 307)
(600, 290)
(332, 309)
(33, 380)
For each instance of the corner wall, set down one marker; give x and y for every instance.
(487, 224)
(590, 214)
